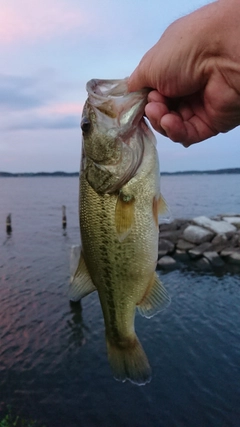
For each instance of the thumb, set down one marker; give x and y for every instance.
(136, 81)
(145, 73)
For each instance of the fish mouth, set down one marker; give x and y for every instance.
(100, 89)
(118, 114)
(112, 99)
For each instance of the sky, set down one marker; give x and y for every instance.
(49, 49)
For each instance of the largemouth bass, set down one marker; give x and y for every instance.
(120, 201)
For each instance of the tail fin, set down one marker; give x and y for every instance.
(129, 362)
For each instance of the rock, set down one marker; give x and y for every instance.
(182, 223)
(231, 255)
(197, 251)
(233, 220)
(217, 218)
(235, 240)
(177, 224)
(227, 251)
(220, 239)
(181, 256)
(218, 227)
(197, 235)
(219, 243)
(202, 264)
(165, 247)
(204, 243)
(230, 214)
(217, 248)
(183, 245)
(173, 236)
(214, 259)
(171, 226)
(167, 263)
(234, 258)
(230, 234)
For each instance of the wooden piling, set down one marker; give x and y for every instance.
(9, 224)
(64, 217)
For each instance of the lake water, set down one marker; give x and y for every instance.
(53, 361)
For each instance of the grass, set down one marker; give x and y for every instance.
(12, 420)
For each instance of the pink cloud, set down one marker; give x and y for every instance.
(63, 108)
(33, 19)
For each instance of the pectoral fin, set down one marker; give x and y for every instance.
(155, 299)
(161, 211)
(124, 215)
(81, 284)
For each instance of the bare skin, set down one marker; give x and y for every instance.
(194, 74)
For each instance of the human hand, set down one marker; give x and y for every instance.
(194, 71)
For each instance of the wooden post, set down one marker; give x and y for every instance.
(64, 217)
(9, 224)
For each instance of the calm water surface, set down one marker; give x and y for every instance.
(53, 362)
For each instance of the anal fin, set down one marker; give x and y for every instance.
(81, 284)
(155, 299)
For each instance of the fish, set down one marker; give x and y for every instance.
(119, 206)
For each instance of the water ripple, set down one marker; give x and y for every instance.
(53, 359)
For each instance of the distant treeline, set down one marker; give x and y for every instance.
(207, 172)
(37, 174)
(69, 174)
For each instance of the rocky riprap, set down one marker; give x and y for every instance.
(201, 243)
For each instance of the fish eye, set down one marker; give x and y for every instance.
(85, 124)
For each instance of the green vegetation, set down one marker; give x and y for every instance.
(12, 420)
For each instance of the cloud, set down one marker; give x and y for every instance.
(33, 19)
(64, 108)
(37, 102)
(53, 116)
(44, 123)
(18, 92)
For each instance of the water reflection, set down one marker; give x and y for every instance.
(76, 324)
(7, 239)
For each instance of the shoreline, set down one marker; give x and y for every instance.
(228, 171)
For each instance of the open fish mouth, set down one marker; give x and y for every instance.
(114, 146)
(112, 98)
(104, 88)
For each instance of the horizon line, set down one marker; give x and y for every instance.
(63, 173)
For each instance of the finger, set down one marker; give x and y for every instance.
(141, 76)
(154, 112)
(187, 132)
(155, 96)
(136, 81)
